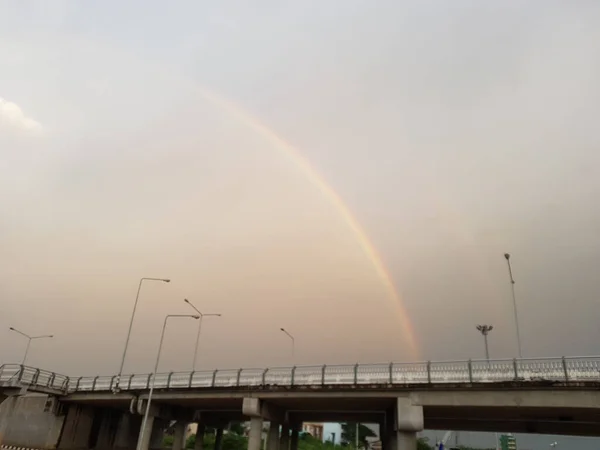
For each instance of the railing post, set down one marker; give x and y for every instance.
(129, 383)
(429, 372)
(51, 379)
(470, 365)
(94, 384)
(355, 374)
(66, 384)
(191, 378)
(169, 380)
(111, 382)
(391, 373)
(565, 369)
(515, 368)
(239, 376)
(77, 385)
(323, 375)
(214, 378)
(264, 376)
(35, 377)
(21, 370)
(148, 381)
(293, 375)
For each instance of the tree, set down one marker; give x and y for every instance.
(349, 434)
(423, 444)
(237, 428)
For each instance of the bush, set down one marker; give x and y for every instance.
(231, 441)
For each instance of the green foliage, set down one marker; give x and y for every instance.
(308, 442)
(231, 441)
(462, 447)
(423, 444)
(237, 428)
(167, 441)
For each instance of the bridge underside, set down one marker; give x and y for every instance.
(568, 411)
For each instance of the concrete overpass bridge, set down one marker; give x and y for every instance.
(551, 395)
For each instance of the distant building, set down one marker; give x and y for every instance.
(314, 429)
(508, 442)
(332, 432)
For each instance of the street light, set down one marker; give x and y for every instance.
(199, 330)
(162, 336)
(484, 330)
(514, 298)
(164, 280)
(293, 341)
(30, 338)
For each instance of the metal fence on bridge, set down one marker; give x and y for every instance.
(16, 375)
(571, 369)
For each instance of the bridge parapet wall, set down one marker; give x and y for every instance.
(32, 421)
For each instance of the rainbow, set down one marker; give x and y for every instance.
(289, 151)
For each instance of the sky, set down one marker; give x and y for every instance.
(235, 148)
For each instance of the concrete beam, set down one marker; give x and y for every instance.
(509, 398)
(409, 417)
(255, 407)
(516, 426)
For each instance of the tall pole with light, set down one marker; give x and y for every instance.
(514, 298)
(293, 342)
(199, 330)
(147, 412)
(164, 280)
(29, 339)
(485, 330)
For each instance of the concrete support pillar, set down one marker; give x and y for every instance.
(406, 440)
(218, 438)
(284, 441)
(273, 439)
(179, 436)
(255, 435)
(407, 421)
(145, 434)
(200, 437)
(383, 436)
(294, 438)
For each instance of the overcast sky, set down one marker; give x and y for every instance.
(453, 131)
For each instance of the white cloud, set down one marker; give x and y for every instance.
(11, 115)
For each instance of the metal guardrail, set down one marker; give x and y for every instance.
(16, 375)
(572, 369)
(575, 369)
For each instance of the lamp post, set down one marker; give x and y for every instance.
(293, 342)
(164, 280)
(199, 330)
(485, 330)
(29, 339)
(514, 298)
(162, 336)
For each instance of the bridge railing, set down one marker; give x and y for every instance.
(16, 375)
(464, 372)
